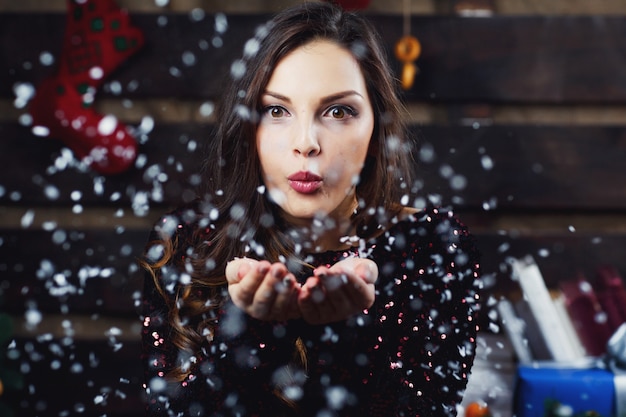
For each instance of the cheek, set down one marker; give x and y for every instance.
(346, 167)
(271, 151)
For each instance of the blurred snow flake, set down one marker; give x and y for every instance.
(96, 73)
(76, 195)
(206, 109)
(33, 317)
(51, 192)
(146, 125)
(27, 219)
(114, 331)
(359, 49)
(189, 58)
(162, 21)
(221, 23)
(23, 93)
(126, 250)
(64, 160)
(490, 204)
(427, 153)
(251, 47)
(25, 119)
(115, 87)
(238, 69)
(197, 14)
(458, 182)
(107, 125)
(46, 58)
(155, 252)
(217, 42)
(486, 162)
(543, 252)
(167, 227)
(243, 112)
(140, 203)
(337, 397)
(237, 211)
(175, 72)
(446, 171)
(59, 236)
(40, 131)
(157, 384)
(393, 143)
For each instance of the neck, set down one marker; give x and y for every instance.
(329, 235)
(331, 232)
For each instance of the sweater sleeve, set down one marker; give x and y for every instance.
(428, 310)
(235, 371)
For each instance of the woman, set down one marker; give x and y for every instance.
(298, 284)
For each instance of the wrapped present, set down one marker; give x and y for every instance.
(590, 387)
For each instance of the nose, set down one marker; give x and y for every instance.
(306, 141)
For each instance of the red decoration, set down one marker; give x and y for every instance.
(352, 4)
(98, 39)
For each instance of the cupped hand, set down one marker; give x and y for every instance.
(263, 290)
(338, 292)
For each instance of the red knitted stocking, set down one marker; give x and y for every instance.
(98, 38)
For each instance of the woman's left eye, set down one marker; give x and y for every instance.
(340, 112)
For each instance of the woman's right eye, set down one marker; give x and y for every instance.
(275, 112)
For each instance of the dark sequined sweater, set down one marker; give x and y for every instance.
(410, 354)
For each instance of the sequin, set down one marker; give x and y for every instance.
(401, 356)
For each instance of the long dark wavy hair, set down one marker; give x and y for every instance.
(235, 219)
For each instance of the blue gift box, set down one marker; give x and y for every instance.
(583, 389)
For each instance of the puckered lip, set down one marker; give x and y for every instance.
(304, 176)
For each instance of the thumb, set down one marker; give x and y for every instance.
(237, 269)
(366, 269)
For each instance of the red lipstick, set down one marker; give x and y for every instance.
(305, 182)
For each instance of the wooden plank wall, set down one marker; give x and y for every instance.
(524, 110)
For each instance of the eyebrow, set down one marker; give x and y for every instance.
(327, 99)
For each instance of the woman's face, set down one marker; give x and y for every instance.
(314, 132)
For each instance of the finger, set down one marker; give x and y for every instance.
(237, 269)
(366, 269)
(338, 303)
(286, 292)
(247, 287)
(360, 293)
(356, 287)
(266, 292)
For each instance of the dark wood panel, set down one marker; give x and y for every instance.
(71, 271)
(559, 256)
(81, 378)
(499, 59)
(506, 167)
(527, 167)
(27, 280)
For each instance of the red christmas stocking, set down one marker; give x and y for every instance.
(98, 38)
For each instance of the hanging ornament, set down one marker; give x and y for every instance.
(407, 50)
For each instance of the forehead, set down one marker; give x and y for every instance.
(319, 67)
